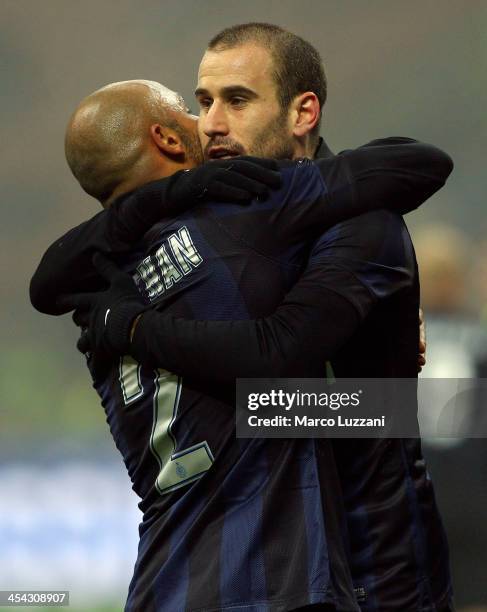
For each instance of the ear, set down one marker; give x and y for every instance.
(305, 113)
(166, 140)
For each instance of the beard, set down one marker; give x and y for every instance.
(192, 145)
(272, 141)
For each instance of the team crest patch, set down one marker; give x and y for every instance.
(360, 594)
(180, 471)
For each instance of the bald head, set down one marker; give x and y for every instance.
(108, 139)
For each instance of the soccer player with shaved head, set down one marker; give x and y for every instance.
(106, 137)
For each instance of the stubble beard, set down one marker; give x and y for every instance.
(274, 141)
(192, 146)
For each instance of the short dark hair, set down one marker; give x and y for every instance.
(298, 65)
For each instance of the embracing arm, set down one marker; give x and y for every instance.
(66, 267)
(352, 266)
(295, 340)
(395, 173)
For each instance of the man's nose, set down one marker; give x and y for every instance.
(215, 122)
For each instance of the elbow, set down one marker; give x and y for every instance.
(438, 164)
(282, 349)
(41, 297)
(36, 295)
(445, 165)
(435, 166)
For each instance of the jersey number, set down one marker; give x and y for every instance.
(176, 469)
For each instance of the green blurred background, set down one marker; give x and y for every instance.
(414, 68)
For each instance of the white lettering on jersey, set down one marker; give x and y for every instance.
(160, 271)
(184, 250)
(170, 273)
(151, 277)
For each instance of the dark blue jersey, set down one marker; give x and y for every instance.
(396, 543)
(399, 553)
(254, 525)
(398, 546)
(243, 525)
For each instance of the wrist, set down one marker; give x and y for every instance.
(120, 326)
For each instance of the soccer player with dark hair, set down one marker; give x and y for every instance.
(220, 262)
(296, 64)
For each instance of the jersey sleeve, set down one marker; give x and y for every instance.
(375, 249)
(66, 265)
(294, 341)
(351, 267)
(396, 173)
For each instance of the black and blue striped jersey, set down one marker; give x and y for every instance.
(398, 546)
(395, 539)
(240, 524)
(394, 536)
(227, 524)
(398, 550)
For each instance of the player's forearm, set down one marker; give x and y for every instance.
(410, 171)
(66, 266)
(237, 180)
(305, 331)
(396, 173)
(134, 214)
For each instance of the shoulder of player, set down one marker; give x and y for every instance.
(379, 237)
(297, 168)
(380, 220)
(302, 181)
(372, 226)
(385, 239)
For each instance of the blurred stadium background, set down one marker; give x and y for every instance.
(68, 519)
